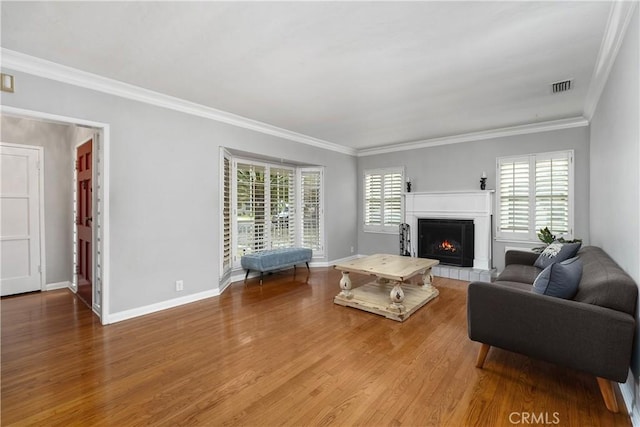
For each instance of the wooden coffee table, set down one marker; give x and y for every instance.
(385, 296)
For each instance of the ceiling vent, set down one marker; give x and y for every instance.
(562, 86)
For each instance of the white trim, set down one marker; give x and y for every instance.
(106, 135)
(238, 274)
(628, 395)
(51, 70)
(43, 252)
(58, 285)
(478, 136)
(334, 262)
(617, 24)
(164, 305)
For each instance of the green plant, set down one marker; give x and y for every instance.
(547, 238)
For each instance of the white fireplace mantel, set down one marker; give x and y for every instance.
(472, 204)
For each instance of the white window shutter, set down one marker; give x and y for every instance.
(513, 187)
(552, 194)
(383, 199)
(311, 221)
(535, 192)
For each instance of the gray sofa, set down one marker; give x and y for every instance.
(593, 332)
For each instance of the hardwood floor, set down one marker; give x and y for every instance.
(280, 354)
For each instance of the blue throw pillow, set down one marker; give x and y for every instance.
(560, 279)
(557, 252)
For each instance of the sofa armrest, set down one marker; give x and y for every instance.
(582, 336)
(520, 257)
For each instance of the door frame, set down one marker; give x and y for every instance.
(41, 237)
(102, 184)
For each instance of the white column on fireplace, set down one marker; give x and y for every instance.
(473, 204)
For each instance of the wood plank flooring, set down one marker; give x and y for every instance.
(280, 354)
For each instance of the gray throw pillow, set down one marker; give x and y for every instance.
(560, 279)
(557, 252)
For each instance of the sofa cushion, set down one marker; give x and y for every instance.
(519, 273)
(604, 283)
(557, 252)
(559, 279)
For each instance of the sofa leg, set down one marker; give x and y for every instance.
(482, 355)
(608, 394)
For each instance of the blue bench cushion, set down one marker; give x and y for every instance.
(274, 259)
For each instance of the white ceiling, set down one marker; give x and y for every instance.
(358, 74)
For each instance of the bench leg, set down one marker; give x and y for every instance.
(261, 273)
(246, 275)
(307, 265)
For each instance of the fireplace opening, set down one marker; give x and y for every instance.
(448, 240)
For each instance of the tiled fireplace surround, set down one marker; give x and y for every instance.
(474, 205)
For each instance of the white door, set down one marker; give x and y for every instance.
(19, 219)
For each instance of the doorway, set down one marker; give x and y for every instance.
(94, 264)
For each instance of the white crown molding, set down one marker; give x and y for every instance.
(51, 70)
(477, 136)
(619, 19)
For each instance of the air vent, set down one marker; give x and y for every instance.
(562, 86)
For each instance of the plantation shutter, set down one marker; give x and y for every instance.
(373, 199)
(552, 193)
(392, 199)
(250, 208)
(383, 202)
(514, 195)
(535, 192)
(226, 216)
(282, 206)
(311, 209)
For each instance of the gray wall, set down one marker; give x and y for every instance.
(615, 160)
(165, 188)
(58, 197)
(459, 167)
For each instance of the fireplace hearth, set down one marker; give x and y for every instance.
(448, 240)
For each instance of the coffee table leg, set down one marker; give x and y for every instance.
(427, 278)
(397, 297)
(345, 285)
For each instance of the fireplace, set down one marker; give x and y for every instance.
(448, 240)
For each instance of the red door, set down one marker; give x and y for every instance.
(84, 216)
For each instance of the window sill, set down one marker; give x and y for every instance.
(396, 232)
(524, 242)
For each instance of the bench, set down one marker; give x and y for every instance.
(275, 259)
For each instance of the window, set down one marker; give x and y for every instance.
(534, 192)
(267, 206)
(225, 203)
(282, 196)
(311, 232)
(250, 209)
(383, 204)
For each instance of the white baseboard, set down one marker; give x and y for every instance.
(334, 262)
(629, 399)
(164, 305)
(238, 275)
(58, 285)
